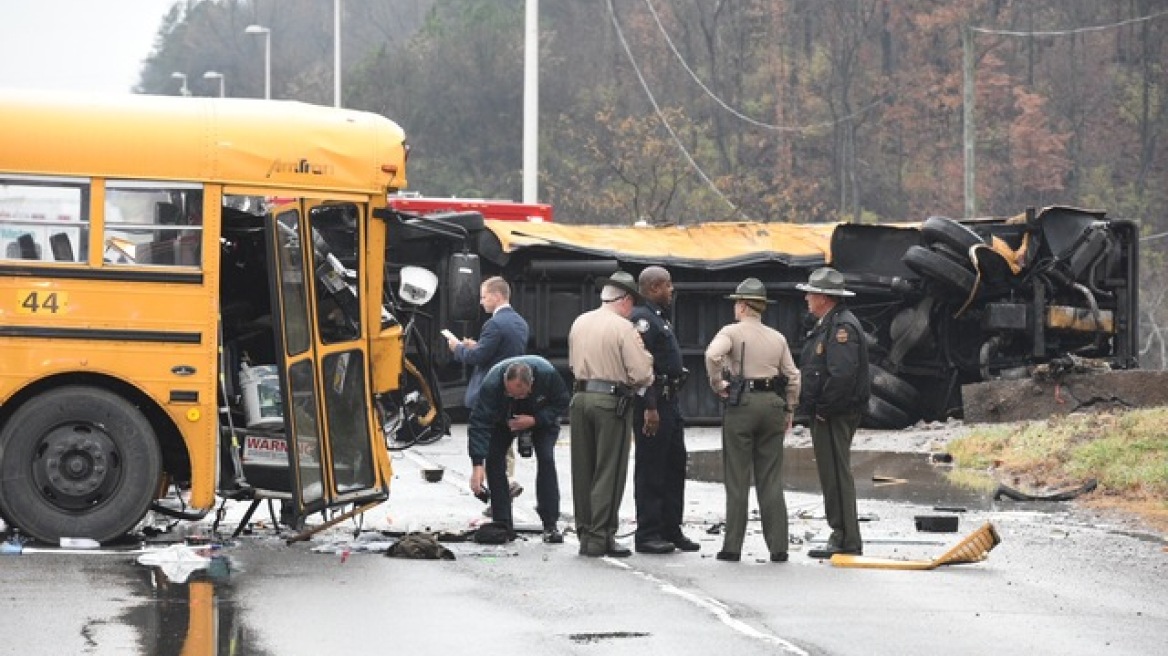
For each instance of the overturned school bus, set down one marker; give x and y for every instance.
(945, 302)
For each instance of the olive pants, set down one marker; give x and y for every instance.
(831, 438)
(600, 466)
(752, 442)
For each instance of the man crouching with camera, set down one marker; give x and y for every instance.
(521, 398)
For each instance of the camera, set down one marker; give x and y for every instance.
(525, 445)
(484, 495)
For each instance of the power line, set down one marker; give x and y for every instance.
(660, 115)
(755, 122)
(1079, 30)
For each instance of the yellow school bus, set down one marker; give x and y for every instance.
(193, 297)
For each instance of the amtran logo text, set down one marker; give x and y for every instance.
(302, 166)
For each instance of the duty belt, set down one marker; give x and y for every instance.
(602, 386)
(669, 386)
(766, 384)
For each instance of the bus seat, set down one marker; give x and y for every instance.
(29, 249)
(166, 214)
(62, 247)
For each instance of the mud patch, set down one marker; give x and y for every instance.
(1033, 398)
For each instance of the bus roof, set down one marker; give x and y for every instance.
(705, 245)
(257, 143)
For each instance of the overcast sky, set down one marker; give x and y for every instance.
(82, 45)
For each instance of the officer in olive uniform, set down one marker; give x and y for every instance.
(659, 473)
(610, 365)
(834, 364)
(750, 367)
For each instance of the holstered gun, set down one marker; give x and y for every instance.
(736, 385)
(623, 402)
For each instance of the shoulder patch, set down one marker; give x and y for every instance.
(642, 325)
(841, 335)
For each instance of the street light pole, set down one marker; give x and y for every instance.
(215, 75)
(267, 32)
(336, 53)
(183, 90)
(531, 104)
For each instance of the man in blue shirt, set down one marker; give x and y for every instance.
(518, 395)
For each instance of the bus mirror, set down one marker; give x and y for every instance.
(417, 285)
(462, 287)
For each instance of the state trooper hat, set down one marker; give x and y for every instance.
(622, 280)
(826, 281)
(750, 289)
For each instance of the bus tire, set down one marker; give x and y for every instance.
(939, 269)
(941, 230)
(895, 390)
(882, 414)
(78, 462)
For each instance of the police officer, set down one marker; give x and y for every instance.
(519, 394)
(834, 364)
(750, 367)
(610, 365)
(659, 473)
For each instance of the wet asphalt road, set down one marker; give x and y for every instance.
(1061, 582)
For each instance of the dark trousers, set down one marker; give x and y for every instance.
(831, 439)
(659, 473)
(547, 484)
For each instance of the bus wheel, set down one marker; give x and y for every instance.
(78, 462)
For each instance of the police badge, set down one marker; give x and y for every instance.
(642, 326)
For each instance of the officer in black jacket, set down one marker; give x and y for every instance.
(659, 473)
(835, 388)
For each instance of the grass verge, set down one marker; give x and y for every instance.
(1127, 453)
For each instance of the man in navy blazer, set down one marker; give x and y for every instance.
(504, 336)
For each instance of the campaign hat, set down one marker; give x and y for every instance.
(750, 289)
(622, 280)
(826, 281)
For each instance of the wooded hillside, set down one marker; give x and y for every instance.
(686, 111)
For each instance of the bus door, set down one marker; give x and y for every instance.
(315, 270)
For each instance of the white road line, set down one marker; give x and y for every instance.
(715, 608)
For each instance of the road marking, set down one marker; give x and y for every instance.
(715, 608)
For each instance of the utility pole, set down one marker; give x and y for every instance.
(336, 53)
(969, 138)
(531, 104)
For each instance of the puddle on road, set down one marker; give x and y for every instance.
(908, 477)
(195, 616)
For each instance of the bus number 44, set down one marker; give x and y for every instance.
(33, 302)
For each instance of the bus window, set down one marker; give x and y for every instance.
(346, 402)
(335, 262)
(153, 224)
(307, 431)
(43, 219)
(296, 333)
